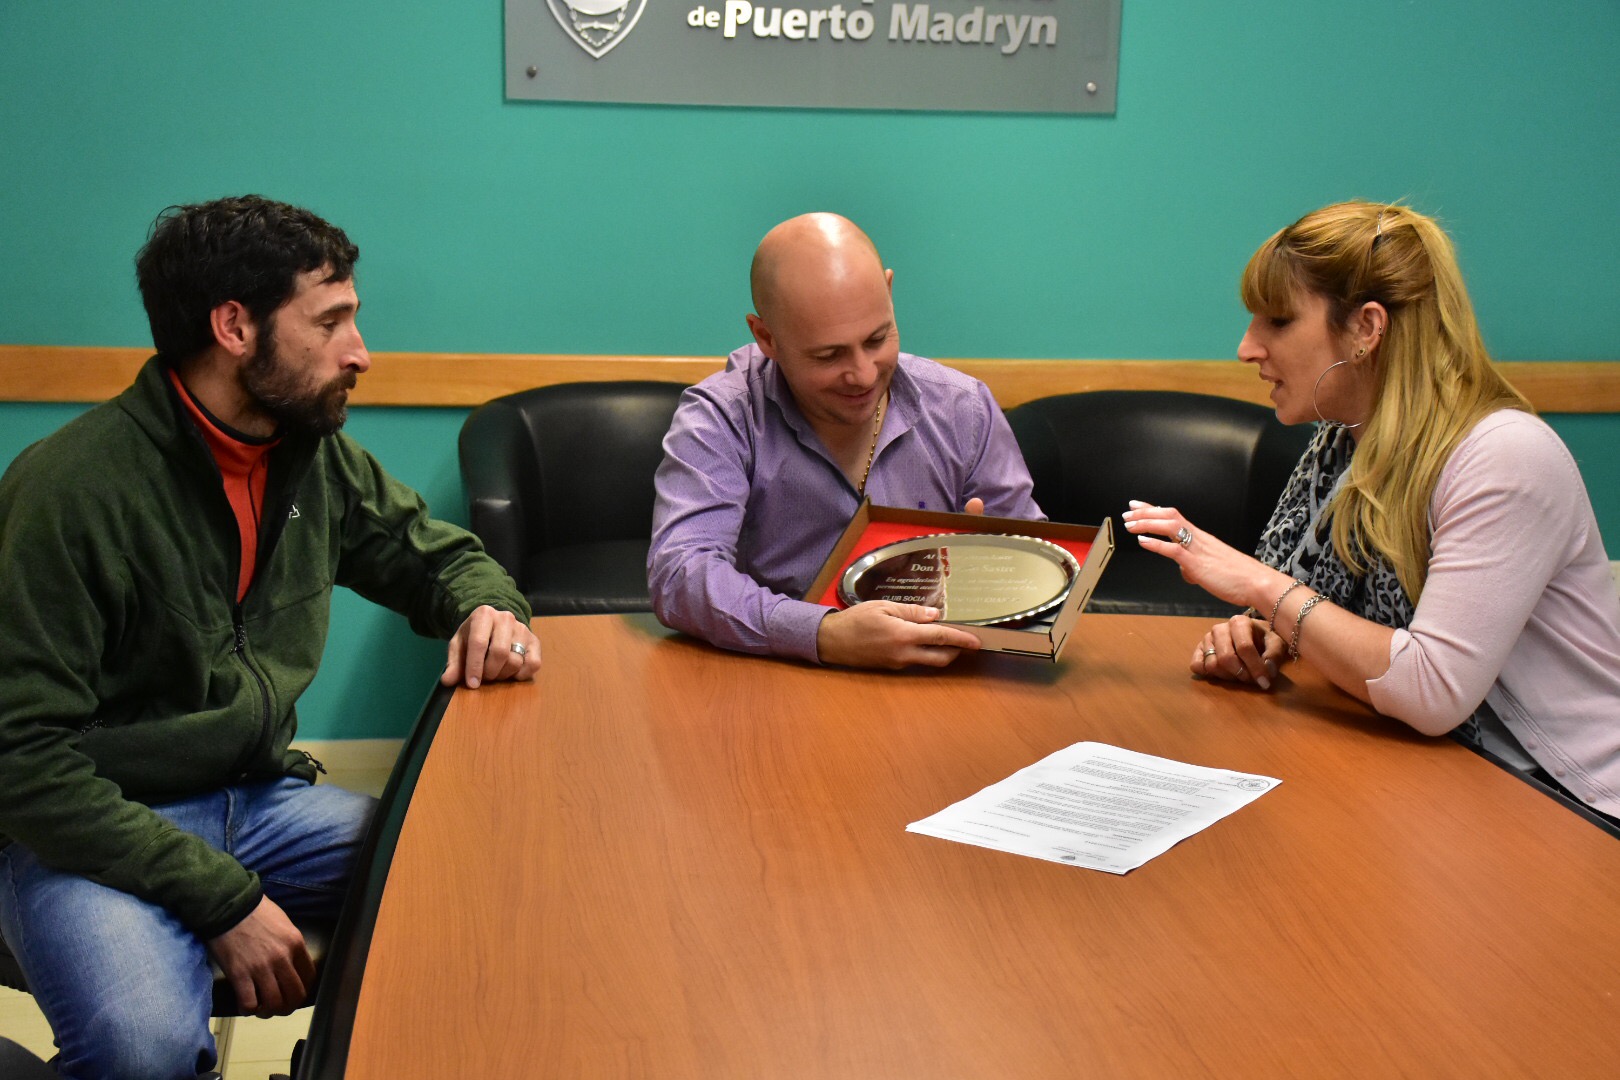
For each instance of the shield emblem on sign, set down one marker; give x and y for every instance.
(597, 25)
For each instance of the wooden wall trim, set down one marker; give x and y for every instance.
(83, 374)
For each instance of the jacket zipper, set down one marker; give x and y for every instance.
(264, 691)
(239, 630)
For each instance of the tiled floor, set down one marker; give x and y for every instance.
(260, 1047)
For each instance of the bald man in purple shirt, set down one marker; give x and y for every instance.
(766, 462)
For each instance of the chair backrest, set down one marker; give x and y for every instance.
(566, 464)
(1221, 462)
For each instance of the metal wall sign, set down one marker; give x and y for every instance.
(972, 55)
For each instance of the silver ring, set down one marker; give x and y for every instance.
(519, 648)
(1207, 654)
(1184, 536)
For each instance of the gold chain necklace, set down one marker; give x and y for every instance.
(871, 454)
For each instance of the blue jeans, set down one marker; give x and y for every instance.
(126, 988)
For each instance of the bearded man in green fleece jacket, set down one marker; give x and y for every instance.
(166, 567)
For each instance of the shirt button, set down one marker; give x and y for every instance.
(1558, 773)
(1529, 746)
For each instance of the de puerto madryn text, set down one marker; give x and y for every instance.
(1009, 31)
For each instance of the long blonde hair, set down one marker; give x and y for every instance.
(1434, 378)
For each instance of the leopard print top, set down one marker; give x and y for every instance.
(1299, 541)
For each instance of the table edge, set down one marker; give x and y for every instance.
(1575, 806)
(337, 998)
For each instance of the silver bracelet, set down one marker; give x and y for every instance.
(1272, 622)
(1299, 624)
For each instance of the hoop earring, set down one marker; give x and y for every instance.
(1317, 386)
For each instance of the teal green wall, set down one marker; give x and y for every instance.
(529, 227)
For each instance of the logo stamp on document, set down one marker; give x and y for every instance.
(597, 25)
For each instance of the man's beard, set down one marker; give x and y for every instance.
(285, 395)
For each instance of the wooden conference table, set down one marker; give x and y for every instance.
(661, 860)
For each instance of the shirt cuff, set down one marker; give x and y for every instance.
(791, 628)
(243, 906)
(1385, 692)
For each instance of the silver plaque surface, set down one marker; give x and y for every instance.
(976, 579)
(1042, 56)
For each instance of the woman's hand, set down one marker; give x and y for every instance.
(1214, 567)
(1242, 648)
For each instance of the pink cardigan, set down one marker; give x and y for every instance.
(1519, 610)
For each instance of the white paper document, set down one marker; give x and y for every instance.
(1096, 805)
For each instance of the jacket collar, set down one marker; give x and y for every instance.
(156, 408)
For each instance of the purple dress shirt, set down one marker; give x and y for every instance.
(750, 503)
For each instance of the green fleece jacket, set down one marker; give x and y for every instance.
(129, 674)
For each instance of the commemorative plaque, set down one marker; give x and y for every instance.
(1016, 585)
(975, 579)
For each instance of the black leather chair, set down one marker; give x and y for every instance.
(1221, 462)
(560, 485)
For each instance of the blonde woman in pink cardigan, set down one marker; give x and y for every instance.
(1435, 553)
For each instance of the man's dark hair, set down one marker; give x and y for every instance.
(249, 249)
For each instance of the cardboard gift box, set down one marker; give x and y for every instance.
(875, 526)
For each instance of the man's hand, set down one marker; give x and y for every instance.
(491, 645)
(879, 633)
(265, 960)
